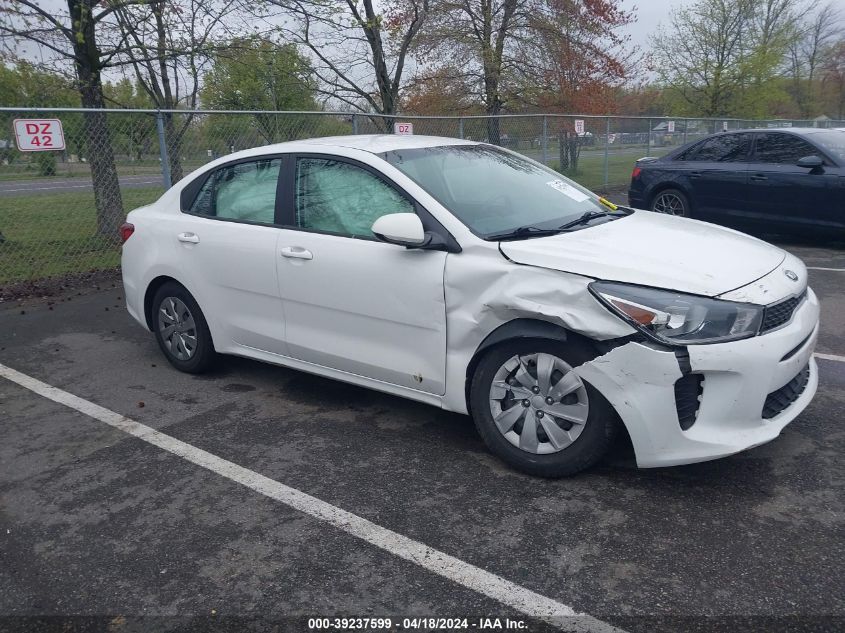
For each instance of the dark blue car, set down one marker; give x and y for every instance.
(782, 179)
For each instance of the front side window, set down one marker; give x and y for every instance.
(724, 148)
(784, 149)
(244, 191)
(493, 191)
(338, 197)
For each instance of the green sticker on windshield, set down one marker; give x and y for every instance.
(567, 189)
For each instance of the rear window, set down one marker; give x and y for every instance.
(721, 148)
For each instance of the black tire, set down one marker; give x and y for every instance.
(600, 429)
(662, 199)
(203, 355)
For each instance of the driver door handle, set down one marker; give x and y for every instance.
(190, 238)
(296, 252)
(759, 177)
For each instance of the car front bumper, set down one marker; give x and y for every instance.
(737, 378)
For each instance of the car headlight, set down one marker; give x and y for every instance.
(677, 318)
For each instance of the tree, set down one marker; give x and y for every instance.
(137, 131)
(74, 37)
(806, 55)
(537, 53)
(723, 57)
(258, 74)
(579, 58)
(358, 52)
(480, 33)
(833, 77)
(170, 43)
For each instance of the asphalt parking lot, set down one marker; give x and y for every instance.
(99, 523)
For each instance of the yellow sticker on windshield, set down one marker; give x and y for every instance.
(569, 190)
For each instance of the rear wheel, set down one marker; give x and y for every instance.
(181, 330)
(671, 202)
(536, 413)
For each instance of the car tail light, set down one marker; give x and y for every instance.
(636, 173)
(126, 231)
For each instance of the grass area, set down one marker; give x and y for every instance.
(590, 172)
(47, 235)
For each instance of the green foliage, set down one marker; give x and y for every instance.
(724, 57)
(25, 85)
(46, 162)
(257, 74)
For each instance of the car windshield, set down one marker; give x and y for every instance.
(493, 191)
(833, 141)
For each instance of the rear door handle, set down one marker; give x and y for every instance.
(296, 252)
(695, 174)
(759, 177)
(189, 238)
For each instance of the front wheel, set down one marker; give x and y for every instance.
(672, 202)
(536, 413)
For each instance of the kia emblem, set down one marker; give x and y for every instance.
(791, 275)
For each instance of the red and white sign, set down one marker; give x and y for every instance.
(579, 127)
(670, 127)
(39, 135)
(405, 129)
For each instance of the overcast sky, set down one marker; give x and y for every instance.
(649, 14)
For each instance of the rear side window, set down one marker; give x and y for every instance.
(244, 191)
(723, 148)
(785, 149)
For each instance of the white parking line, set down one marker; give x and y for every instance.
(507, 593)
(835, 357)
(836, 270)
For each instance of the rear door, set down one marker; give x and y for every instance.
(227, 239)
(784, 194)
(716, 170)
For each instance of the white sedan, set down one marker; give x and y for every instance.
(471, 278)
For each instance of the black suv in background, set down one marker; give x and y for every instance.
(781, 179)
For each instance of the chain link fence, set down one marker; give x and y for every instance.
(60, 210)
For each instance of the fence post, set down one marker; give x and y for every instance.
(354, 124)
(686, 125)
(606, 151)
(461, 128)
(545, 140)
(162, 152)
(648, 139)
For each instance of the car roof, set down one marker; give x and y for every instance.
(373, 143)
(789, 130)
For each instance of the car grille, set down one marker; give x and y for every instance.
(780, 313)
(779, 400)
(688, 390)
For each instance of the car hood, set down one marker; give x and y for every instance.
(656, 250)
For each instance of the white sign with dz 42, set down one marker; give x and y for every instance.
(39, 135)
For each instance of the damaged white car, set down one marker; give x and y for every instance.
(471, 278)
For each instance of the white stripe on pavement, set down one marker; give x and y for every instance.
(835, 357)
(507, 593)
(836, 270)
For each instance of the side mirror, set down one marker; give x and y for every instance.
(810, 162)
(403, 229)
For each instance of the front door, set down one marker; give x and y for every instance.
(785, 194)
(353, 303)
